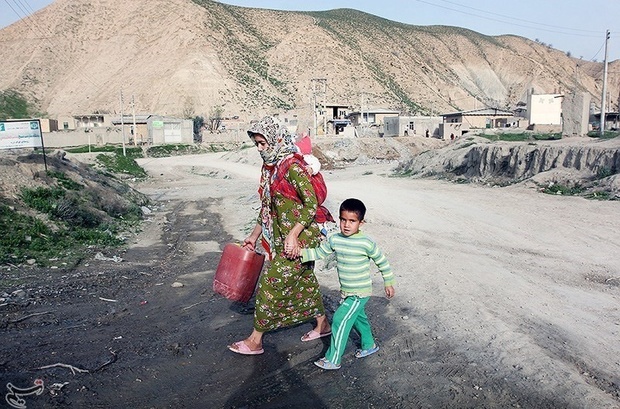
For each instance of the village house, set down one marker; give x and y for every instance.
(412, 126)
(374, 116)
(459, 123)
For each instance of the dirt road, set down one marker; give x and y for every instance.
(505, 298)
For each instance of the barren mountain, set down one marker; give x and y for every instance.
(181, 56)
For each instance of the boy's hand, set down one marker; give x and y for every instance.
(389, 291)
(293, 254)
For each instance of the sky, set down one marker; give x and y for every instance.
(575, 26)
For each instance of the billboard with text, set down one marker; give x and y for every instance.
(20, 134)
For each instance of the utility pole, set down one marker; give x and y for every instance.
(361, 108)
(133, 114)
(603, 112)
(321, 90)
(314, 109)
(123, 124)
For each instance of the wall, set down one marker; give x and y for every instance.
(92, 136)
(575, 113)
(99, 136)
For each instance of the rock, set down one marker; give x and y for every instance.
(19, 294)
(176, 284)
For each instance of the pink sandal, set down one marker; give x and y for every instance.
(312, 335)
(242, 348)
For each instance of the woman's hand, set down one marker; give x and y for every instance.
(291, 243)
(249, 243)
(291, 247)
(293, 253)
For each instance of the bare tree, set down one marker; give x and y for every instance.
(215, 118)
(188, 108)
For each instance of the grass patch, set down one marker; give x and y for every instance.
(403, 173)
(558, 189)
(133, 152)
(606, 134)
(64, 181)
(547, 136)
(26, 237)
(522, 137)
(161, 151)
(116, 163)
(599, 196)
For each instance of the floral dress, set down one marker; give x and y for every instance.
(288, 291)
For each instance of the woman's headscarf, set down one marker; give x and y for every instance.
(281, 143)
(281, 146)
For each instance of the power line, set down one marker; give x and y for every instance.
(502, 21)
(519, 19)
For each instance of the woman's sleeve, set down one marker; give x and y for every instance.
(301, 182)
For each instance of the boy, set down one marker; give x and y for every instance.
(354, 250)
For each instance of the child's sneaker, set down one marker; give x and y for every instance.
(325, 364)
(361, 353)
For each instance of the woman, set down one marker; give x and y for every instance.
(288, 292)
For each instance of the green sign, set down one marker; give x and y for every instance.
(158, 124)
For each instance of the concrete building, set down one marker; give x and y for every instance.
(373, 116)
(149, 129)
(156, 129)
(480, 118)
(71, 122)
(412, 125)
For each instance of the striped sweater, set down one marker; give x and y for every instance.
(353, 255)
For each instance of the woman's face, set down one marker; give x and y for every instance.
(263, 147)
(260, 142)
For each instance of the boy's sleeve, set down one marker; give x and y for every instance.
(317, 253)
(383, 264)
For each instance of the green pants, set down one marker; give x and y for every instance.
(349, 315)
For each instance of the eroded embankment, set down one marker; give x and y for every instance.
(582, 161)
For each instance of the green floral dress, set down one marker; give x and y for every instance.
(288, 291)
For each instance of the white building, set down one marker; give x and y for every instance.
(544, 109)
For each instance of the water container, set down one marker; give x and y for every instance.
(237, 273)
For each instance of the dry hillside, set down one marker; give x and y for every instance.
(179, 56)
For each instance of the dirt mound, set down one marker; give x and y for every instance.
(75, 203)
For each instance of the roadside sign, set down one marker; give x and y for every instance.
(21, 134)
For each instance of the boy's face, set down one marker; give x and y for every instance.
(349, 223)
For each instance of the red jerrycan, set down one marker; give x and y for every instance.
(237, 273)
